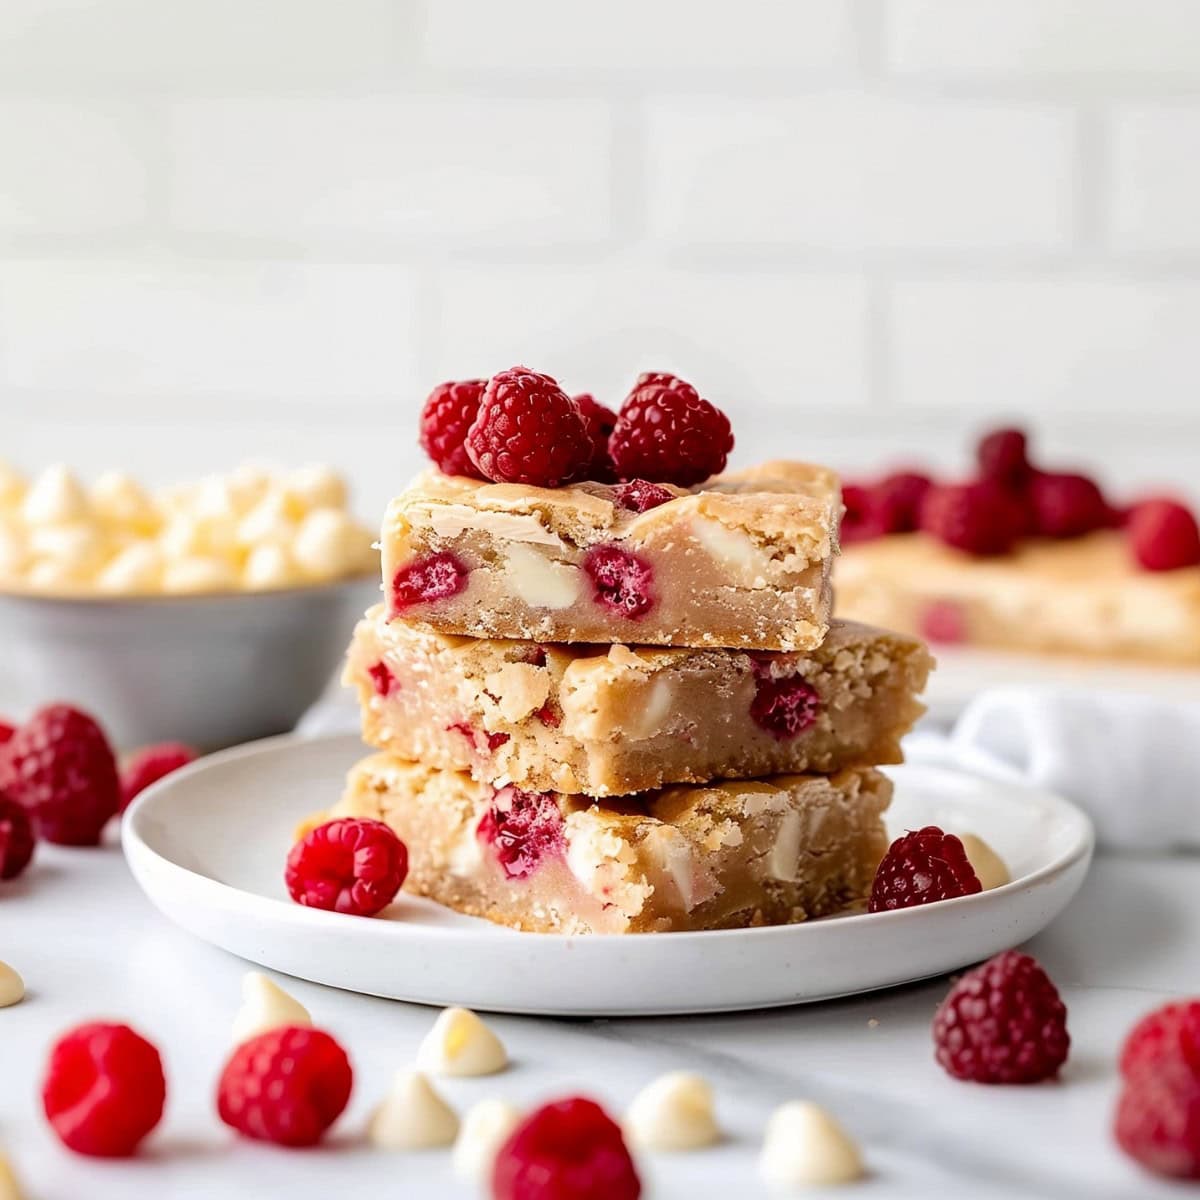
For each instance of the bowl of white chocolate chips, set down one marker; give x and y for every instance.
(210, 613)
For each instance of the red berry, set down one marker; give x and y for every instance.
(895, 501)
(425, 580)
(598, 420)
(667, 380)
(667, 434)
(448, 413)
(570, 1149)
(528, 430)
(1158, 1121)
(943, 622)
(785, 706)
(347, 865)
(1003, 457)
(978, 518)
(16, 838)
(60, 766)
(523, 828)
(1170, 1034)
(104, 1090)
(640, 495)
(858, 523)
(1164, 536)
(1003, 1022)
(6, 732)
(285, 1086)
(922, 867)
(1066, 506)
(621, 581)
(152, 764)
(383, 680)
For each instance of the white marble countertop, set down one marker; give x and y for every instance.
(89, 945)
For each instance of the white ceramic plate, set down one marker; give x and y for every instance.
(208, 845)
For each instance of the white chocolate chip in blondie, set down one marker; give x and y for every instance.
(519, 688)
(451, 520)
(674, 1112)
(485, 1128)
(10, 1188)
(55, 497)
(805, 1147)
(784, 860)
(12, 986)
(733, 549)
(265, 1006)
(539, 581)
(412, 1116)
(988, 865)
(461, 1044)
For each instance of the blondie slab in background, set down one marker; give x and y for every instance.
(743, 561)
(614, 720)
(722, 856)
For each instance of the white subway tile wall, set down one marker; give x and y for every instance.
(866, 227)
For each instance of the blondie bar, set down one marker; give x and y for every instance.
(614, 720)
(741, 561)
(721, 856)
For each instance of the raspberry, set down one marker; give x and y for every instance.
(523, 828)
(60, 766)
(978, 518)
(1158, 1121)
(667, 380)
(479, 737)
(382, 678)
(598, 420)
(449, 410)
(1164, 535)
(6, 732)
(895, 501)
(640, 495)
(858, 523)
(348, 866)
(1003, 1022)
(1066, 506)
(16, 838)
(1003, 457)
(104, 1090)
(943, 622)
(152, 764)
(622, 581)
(1170, 1034)
(285, 1086)
(667, 434)
(548, 716)
(922, 867)
(528, 430)
(424, 580)
(784, 706)
(570, 1149)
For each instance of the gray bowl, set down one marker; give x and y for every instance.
(208, 670)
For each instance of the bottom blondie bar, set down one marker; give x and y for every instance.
(718, 856)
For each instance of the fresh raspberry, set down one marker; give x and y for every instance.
(1170, 1034)
(1163, 535)
(570, 1149)
(152, 764)
(383, 679)
(104, 1090)
(523, 828)
(895, 501)
(978, 518)
(347, 865)
(943, 622)
(622, 581)
(528, 430)
(922, 867)
(667, 380)
(640, 495)
(6, 732)
(285, 1086)
(1066, 506)
(858, 524)
(784, 706)
(598, 420)
(16, 838)
(445, 419)
(60, 766)
(425, 580)
(665, 433)
(1158, 1121)
(1003, 457)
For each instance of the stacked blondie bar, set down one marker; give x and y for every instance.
(623, 707)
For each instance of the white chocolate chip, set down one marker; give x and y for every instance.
(485, 1128)
(12, 986)
(12, 487)
(316, 487)
(328, 544)
(461, 1044)
(783, 862)
(540, 582)
(451, 520)
(50, 575)
(988, 865)
(189, 536)
(118, 499)
(733, 550)
(135, 569)
(265, 1005)
(270, 567)
(674, 1112)
(79, 547)
(519, 688)
(269, 522)
(10, 1188)
(805, 1147)
(412, 1116)
(14, 551)
(55, 497)
(247, 485)
(198, 575)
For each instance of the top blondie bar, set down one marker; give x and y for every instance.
(742, 560)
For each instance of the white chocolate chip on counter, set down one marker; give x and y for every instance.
(988, 865)
(12, 986)
(412, 1116)
(55, 497)
(805, 1147)
(461, 1044)
(265, 1006)
(10, 1189)
(485, 1128)
(674, 1112)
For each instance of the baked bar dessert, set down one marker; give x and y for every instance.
(725, 855)
(614, 720)
(741, 561)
